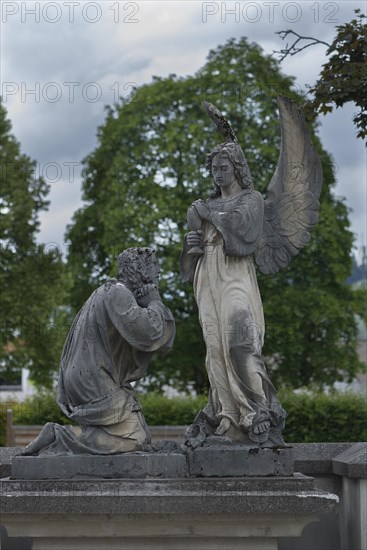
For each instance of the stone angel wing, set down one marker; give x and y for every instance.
(291, 204)
(220, 121)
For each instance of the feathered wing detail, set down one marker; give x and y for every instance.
(220, 121)
(291, 204)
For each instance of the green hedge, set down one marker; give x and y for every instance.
(311, 418)
(321, 418)
(37, 410)
(160, 410)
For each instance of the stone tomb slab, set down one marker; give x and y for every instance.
(212, 461)
(239, 461)
(128, 465)
(173, 514)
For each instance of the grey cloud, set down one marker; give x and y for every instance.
(106, 53)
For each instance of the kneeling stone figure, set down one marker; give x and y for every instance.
(109, 346)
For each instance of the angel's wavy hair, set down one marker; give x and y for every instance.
(235, 154)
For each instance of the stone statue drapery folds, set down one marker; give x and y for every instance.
(231, 316)
(230, 232)
(109, 346)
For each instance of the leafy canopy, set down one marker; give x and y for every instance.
(31, 277)
(148, 167)
(344, 76)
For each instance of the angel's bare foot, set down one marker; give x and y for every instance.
(261, 427)
(223, 426)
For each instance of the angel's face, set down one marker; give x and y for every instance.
(223, 171)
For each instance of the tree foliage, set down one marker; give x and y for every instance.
(344, 76)
(148, 167)
(32, 278)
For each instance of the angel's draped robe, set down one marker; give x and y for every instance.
(231, 313)
(109, 346)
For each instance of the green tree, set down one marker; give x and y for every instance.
(343, 77)
(31, 277)
(148, 167)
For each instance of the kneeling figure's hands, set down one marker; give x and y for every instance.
(146, 294)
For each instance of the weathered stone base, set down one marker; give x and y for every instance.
(160, 543)
(173, 532)
(238, 461)
(213, 461)
(157, 514)
(128, 465)
(118, 513)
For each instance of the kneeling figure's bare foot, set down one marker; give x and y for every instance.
(44, 439)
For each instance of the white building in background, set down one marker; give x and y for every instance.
(359, 384)
(17, 390)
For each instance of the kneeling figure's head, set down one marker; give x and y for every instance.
(138, 267)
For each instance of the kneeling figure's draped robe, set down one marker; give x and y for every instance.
(108, 347)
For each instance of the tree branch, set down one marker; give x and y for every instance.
(293, 49)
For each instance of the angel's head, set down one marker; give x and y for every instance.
(232, 151)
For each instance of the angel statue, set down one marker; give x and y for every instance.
(232, 231)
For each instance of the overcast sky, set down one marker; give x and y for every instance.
(63, 61)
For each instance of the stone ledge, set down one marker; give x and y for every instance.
(220, 524)
(352, 462)
(315, 458)
(204, 531)
(193, 512)
(288, 495)
(156, 543)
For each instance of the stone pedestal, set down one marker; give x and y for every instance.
(212, 461)
(177, 514)
(240, 461)
(128, 465)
